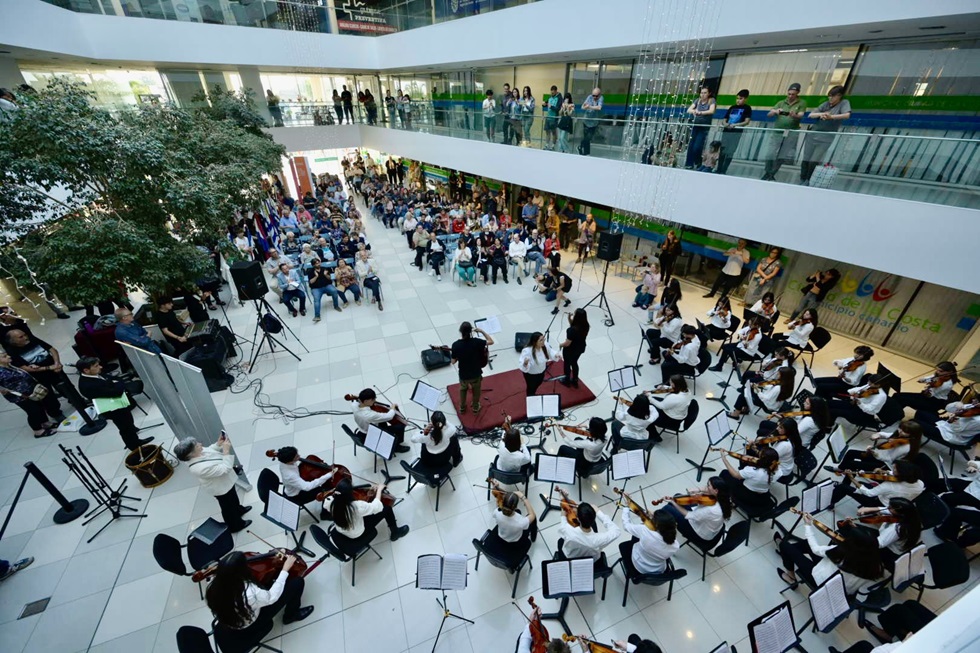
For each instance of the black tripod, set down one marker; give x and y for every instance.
(603, 301)
(107, 499)
(268, 338)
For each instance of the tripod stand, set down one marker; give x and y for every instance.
(603, 300)
(108, 499)
(446, 614)
(268, 338)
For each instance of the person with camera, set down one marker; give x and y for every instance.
(215, 468)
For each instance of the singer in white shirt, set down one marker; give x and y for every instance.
(534, 361)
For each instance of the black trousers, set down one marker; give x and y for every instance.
(670, 367)
(665, 421)
(304, 497)
(533, 382)
(731, 352)
(903, 618)
(828, 387)
(850, 412)
(859, 461)
(246, 639)
(571, 365)
(39, 411)
(918, 401)
(351, 544)
(688, 531)
(743, 496)
(419, 253)
(123, 419)
(231, 510)
(501, 265)
(960, 516)
(725, 282)
(797, 557)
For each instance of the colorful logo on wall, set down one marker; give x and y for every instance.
(863, 288)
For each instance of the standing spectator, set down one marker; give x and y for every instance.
(272, 100)
(730, 275)
(593, 110)
(391, 106)
(406, 103)
(829, 116)
(565, 123)
(348, 99)
(702, 110)
(505, 100)
(42, 361)
(371, 107)
(515, 116)
(764, 276)
(551, 109)
(338, 106)
(782, 140)
(490, 115)
(737, 118)
(470, 354)
(818, 285)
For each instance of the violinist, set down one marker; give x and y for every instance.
(721, 319)
(634, 422)
(352, 517)
(649, 550)
(960, 426)
(215, 467)
(801, 327)
(857, 557)
(515, 532)
(885, 449)
(935, 395)
(671, 296)
(365, 414)
(295, 488)
(850, 376)
(665, 332)
(245, 609)
(770, 365)
(750, 484)
(766, 307)
(440, 446)
(526, 641)
(786, 441)
(586, 539)
(746, 349)
(813, 420)
(899, 528)
(770, 395)
(862, 404)
(673, 406)
(906, 485)
(512, 453)
(585, 450)
(682, 358)
(703, 524)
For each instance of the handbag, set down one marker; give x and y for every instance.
(565, 124)
(39, 393)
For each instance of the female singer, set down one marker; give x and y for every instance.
(649, 550)
(704, 524)
(721, 319)
(586, 539)
(746, 349)
(802, 327)
(750, 484)
(850, 376)
(670, 249)
(646, 293)
(672, 405)
(512, 454)
(574, 345)
(440, 447)
(351, 516)
(906, 485)
(885, 450)
(788, 448)
(857, 558)
(666, 331)
(534, 361)
(934, 397)
(514, 531)
(671, 296)
(585, 450)
(862, 404)
(244, 608)
(770, 395)
(634, 422)
(814, 419)
(896, 537)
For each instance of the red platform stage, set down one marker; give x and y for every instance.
(504, 393)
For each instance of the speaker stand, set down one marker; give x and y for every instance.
(603, 300)
(267, 338)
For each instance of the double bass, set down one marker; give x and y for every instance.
(264, 567)
(313, 467)
(379, 407)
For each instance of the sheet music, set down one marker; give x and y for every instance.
(628, 464)
(379, 442)
(429, 570)
(837, 443)
(909, 565)
(826, 494)
(454, 571)
(775, 634)
(583, 579)
(722, 648)
(543, 406)
(622, 379)
(426, 395)
(818, 497)
(559, 578)
(489, 324)
(557, 469)
(718, 428)
(282, 511)
(829, 601)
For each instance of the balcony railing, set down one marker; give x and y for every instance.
(921, 168)
(295, 15)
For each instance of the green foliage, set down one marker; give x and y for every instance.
(137, 189)
(221, 104)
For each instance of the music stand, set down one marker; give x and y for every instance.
(382, 445)
(627, 465)
(553, 469)
(426, 396)
(836, 449)
(563, 579)
(774, 631)
(285, 514)
(621, 378)
(828, 605)
(815, 500)
(889, 380)
(639, 352)
(541, 407)
(718, 428)
(437, 572)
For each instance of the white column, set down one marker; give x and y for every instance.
(10, 75)
(251, 80)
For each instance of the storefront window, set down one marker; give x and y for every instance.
(111, 87)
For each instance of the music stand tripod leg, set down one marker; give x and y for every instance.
(446, 614)
(560, 615)
(387, 476)
(548, 507)
(299, 544)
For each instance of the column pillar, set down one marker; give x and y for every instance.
(10, 75)
(251, 80)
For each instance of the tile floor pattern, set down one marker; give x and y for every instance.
(109, 595)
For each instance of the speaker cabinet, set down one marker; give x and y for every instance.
(610, 246)
(521, 339)
(249, 279)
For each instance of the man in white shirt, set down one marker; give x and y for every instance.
(517, 251)
(215, 468)
(731, 275)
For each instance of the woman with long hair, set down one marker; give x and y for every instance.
(243, 608)
(565, 127)
(704, 524)
(527, 113)
(440, 446)
(814, 420)
(649, 550)
(514, 532)
(665, 332)
(585, 450)
(802, 327)
(770, 395)
(857, 558)
(787, 444)
(899, 536)
(750, 484)
(670, 249)
(512, 454)
(906, 485)
(721, 319)
(353, 516)
(885, 449)
(671, 296)
(935, 395)
(672, 405)
(574, 345)
(634, 422)
(534, 361)
(586, 539)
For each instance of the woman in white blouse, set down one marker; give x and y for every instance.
(585, 450)
(586, 539)
(512, 454)
(900, 533)
(704, 524)
(935, 395)
(634, 422)
(885, 449)
(666, 331)
(785, 439)
(770, 395)
(721, 319)
(440, 447)
(534, 361)
(649, 550)
(465, 267)
(673, 406)
(906, 485)
(352, 517)
(750, 484)
(745, 349)
(850, 376)
(514, 531)
(245, 609)
(862, 405)
(801, 327)
(813, 420)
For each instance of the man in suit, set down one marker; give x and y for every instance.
(94, 386)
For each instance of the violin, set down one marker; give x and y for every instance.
(636, 509)
(751, 460)
(378, 407)
(852, 366)
(791, 414)
(497, 493)
(264, 567)
(363, 493)
(766, 384)
(878, 476)
(695, 499)
(970, 410)
(799, 321)
(771, 365)
(890, 443)
(539, 634)
(871, 519)
(625, 402)
(313, 467)
(751, 334)
(823, 528)
(570, 508)
(770, 439)
(590, 645)
(661, 390)
(869, 391)
(577, 430)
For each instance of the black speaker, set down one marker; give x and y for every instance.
(610, 245)
(521, 339)
(249, 279)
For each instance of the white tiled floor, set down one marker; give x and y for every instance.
(109, 595)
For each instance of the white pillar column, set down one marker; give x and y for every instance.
(251, 80)
(10, 75)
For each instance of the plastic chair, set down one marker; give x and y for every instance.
(508, 478)
(667, 577)
(729, 539)
(928, 470)
(769, 514)
(227, 644)
(693, 409)
(500, 559)
(819, 338)
(201, 554)
(704, 362)
(647, 445)
(357, 438)
(269, 482)
(875, 599)
(435, 480)
(598, 467)
(166, 551)
(732, 328)
(324, 539)
(805, 463)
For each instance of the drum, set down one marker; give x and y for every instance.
(149, 466)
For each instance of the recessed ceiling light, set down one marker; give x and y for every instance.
(876, 31)
(933, 27)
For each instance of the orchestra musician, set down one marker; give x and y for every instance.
(770, 365)
(814, 419)
(215, 468)
(963, 499)
(856, 557)
(935, 395)
(634, 422)
(750, 484)
(352, 516)
(899, 528)
(746, 349)
(671, 296)
(586, 539)
(885, 449)
(388, 421)
(585, 450)
(903, 481)
(244, 608)
(440, 446)
(526, 640)
(665, 332)
(512, 453)
(766, 307)
(768, 394)
(721, 319)
(785, 439)
(862, 404)
(801, 327)
(850, 376)
(673, 405)
(960, 426)
(649, 549)
(295, 487)
(513, 531)
(700, 523)
(682, 358)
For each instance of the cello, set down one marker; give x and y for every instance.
(264, 567)
(314, 467)
(363, 493)
(591, 645)
(379, 407)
